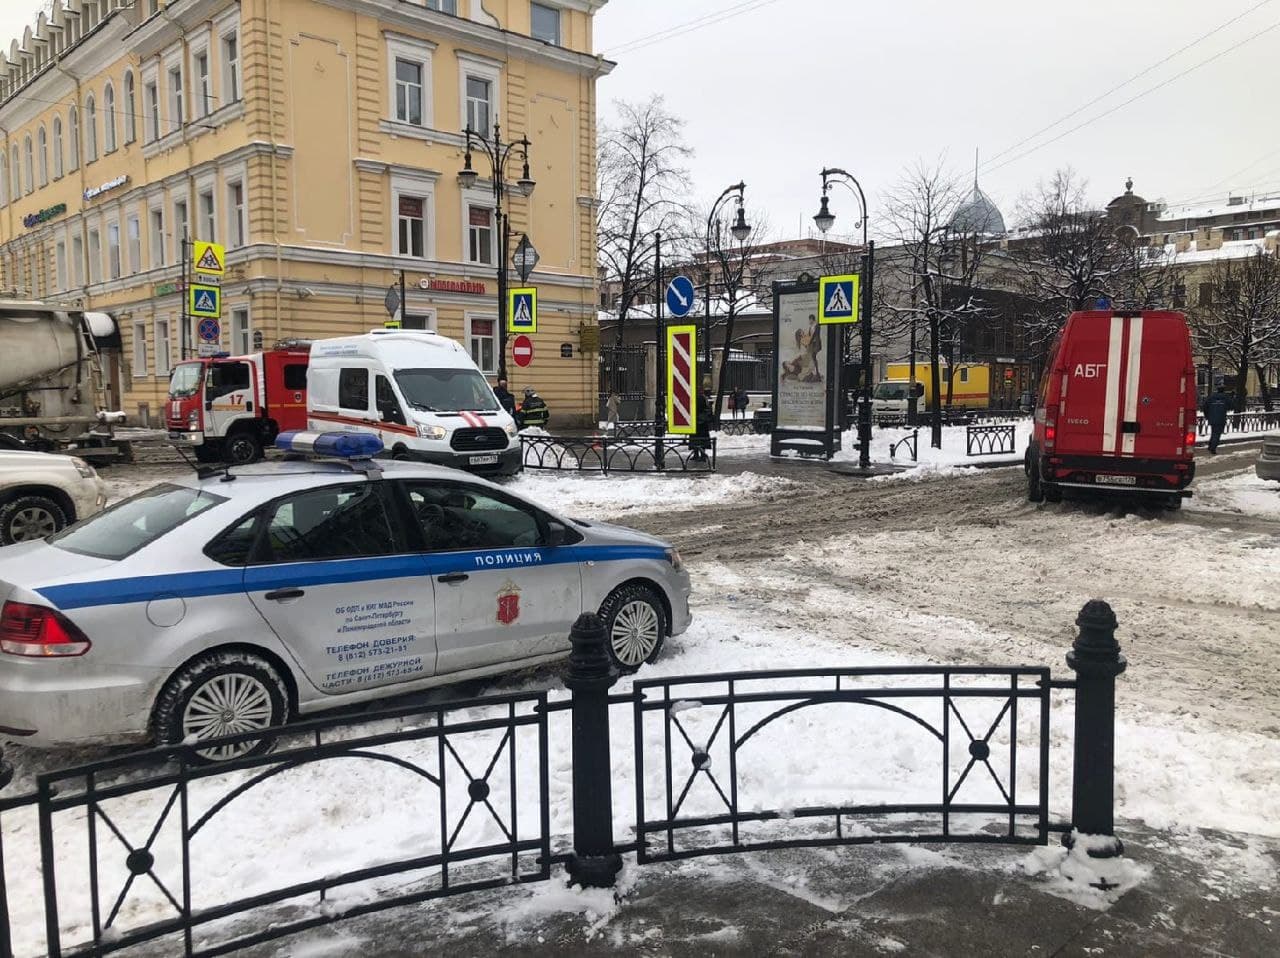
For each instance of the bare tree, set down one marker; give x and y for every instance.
(735, 271)
(934, 269)
(641, 183)
(1243, 322)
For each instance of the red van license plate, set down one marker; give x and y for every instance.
(1117, 480)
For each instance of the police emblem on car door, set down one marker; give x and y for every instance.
(509, 603)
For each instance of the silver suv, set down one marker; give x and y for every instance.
(41, 493)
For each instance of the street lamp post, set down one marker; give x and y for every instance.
(824, 220)
(740, 231)
(499, 153)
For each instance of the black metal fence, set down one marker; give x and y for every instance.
(1238, 422)
(671, 454)
(990, 440)
(753, 372)
(912, 443)
(476, 773)
(643, 428)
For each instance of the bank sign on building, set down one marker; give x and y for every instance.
(319, 142)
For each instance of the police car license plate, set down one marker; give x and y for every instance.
(484, 460)
(1117, 480)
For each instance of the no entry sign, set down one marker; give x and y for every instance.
(682, 373)
(522, 350)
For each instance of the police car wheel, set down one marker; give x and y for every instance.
(1052, 493)
(242, 449)
(29, 518)
(225, 693)
(635, 625)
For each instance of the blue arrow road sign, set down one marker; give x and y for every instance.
(680, 296)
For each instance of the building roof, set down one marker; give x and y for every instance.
(1218, 207)
(978, 214)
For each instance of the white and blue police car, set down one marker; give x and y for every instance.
(231, 602)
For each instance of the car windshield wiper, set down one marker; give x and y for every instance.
(423, 406)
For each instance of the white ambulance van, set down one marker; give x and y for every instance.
(421, 393)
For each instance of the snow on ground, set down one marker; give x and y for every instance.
(1243, 493)
(617, 494)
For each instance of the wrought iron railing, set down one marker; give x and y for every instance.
(990, 440)
(912, 442)
(1239, 422)
(606, 454)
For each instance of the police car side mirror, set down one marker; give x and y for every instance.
(556, 533)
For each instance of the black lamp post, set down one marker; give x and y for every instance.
(740, 231)
(499, 153)
(824, 220)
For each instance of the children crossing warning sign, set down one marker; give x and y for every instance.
(208, 258)
(682, 373)
(838, 299)
(522, 310)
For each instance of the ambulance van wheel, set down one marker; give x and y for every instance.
(635, 626)
(223, 693)
(242, 448)
(1035, 490)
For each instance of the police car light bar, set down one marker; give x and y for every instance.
(341, 445)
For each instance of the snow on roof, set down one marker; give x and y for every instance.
(1235, 249)
(1204, 210)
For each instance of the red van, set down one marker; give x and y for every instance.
(1117, 408)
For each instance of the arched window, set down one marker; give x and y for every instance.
(4, 179)
(42, 155)
(130, 109)
(109, 119)
(27, 176)
(73, 127)
(57, 148)
(15, 175)
(90, 129)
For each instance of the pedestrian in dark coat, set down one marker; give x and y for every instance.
(701, 440)
(1216, 408)
(505, 399)
(741, 402)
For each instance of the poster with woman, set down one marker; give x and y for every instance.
(801, 356)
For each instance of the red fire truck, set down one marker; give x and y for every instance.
(227, 408)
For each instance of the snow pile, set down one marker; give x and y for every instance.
(1075, 874)
(586, 495)
(1243, 494)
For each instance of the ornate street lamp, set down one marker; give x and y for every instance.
(740, 231)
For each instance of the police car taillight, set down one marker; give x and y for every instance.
(341, 445)
(39, 632)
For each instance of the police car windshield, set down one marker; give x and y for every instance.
(446, 390)
(138, 521)
(185, 380)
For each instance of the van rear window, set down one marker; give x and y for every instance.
(136, 522)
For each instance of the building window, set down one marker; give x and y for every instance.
(113, 250)
(181, 227)
(90, 129)
(130, 109)
(156, 238)
(544, 23)
(139, 350)
(109, 119)
(411, 221)
(235, 215)
(203, 91)
(4, 179)
(57, 147)
(409, 91)
(151, 95)
(1205, 294)
(73, 130)
(444, 6)
(77, 261)
(133, 233)
(95, 257)
(241, 338)
(482, 341)
(162, 347)
(15, 185)
(42, 155)
(230, 68)
(480, 234)
(208, 225)
(479, 104)
(175, 98)
(60, 265)
(27, 166)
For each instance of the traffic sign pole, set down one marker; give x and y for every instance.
(660, 380)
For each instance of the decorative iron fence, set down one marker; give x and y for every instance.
(990, 440)
(623, 371)
(686, 454)
(912, 442)
(476, 775)
(725, 427)
(753, 372)
(1238, 422)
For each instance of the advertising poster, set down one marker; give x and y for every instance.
(802, 364)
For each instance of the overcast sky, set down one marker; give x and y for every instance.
(774, 89)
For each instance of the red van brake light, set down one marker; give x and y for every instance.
(1191, 439)
(40, 632)
(1050, 425)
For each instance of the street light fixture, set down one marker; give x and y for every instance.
(740, 231)
(824, 220)
(499, 153)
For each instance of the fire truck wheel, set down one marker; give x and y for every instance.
(1035, 490)
(1173, 502)
(1051, 492)
(242, 448)
(208, 453)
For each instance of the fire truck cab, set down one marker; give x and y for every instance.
(227, 408)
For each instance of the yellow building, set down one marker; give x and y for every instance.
(320, 142)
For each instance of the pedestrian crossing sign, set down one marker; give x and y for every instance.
(522, 310)
(838, 299)
(206, 301)
(208, 258)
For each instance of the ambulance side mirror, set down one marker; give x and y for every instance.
(556, 533)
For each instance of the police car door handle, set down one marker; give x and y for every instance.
(280, 595)
(454, 577)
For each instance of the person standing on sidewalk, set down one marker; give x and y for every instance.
(1215, 414)
(611, 411)
(505, 399)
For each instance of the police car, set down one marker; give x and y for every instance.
(235, 601)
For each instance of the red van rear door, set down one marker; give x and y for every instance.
(1156, 386)
(1085, 421)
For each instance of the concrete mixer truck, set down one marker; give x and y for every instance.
(59, 380)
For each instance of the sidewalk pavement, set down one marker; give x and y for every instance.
(1205, 893)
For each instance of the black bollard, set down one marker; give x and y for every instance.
(594, 863)
(1095, 657)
